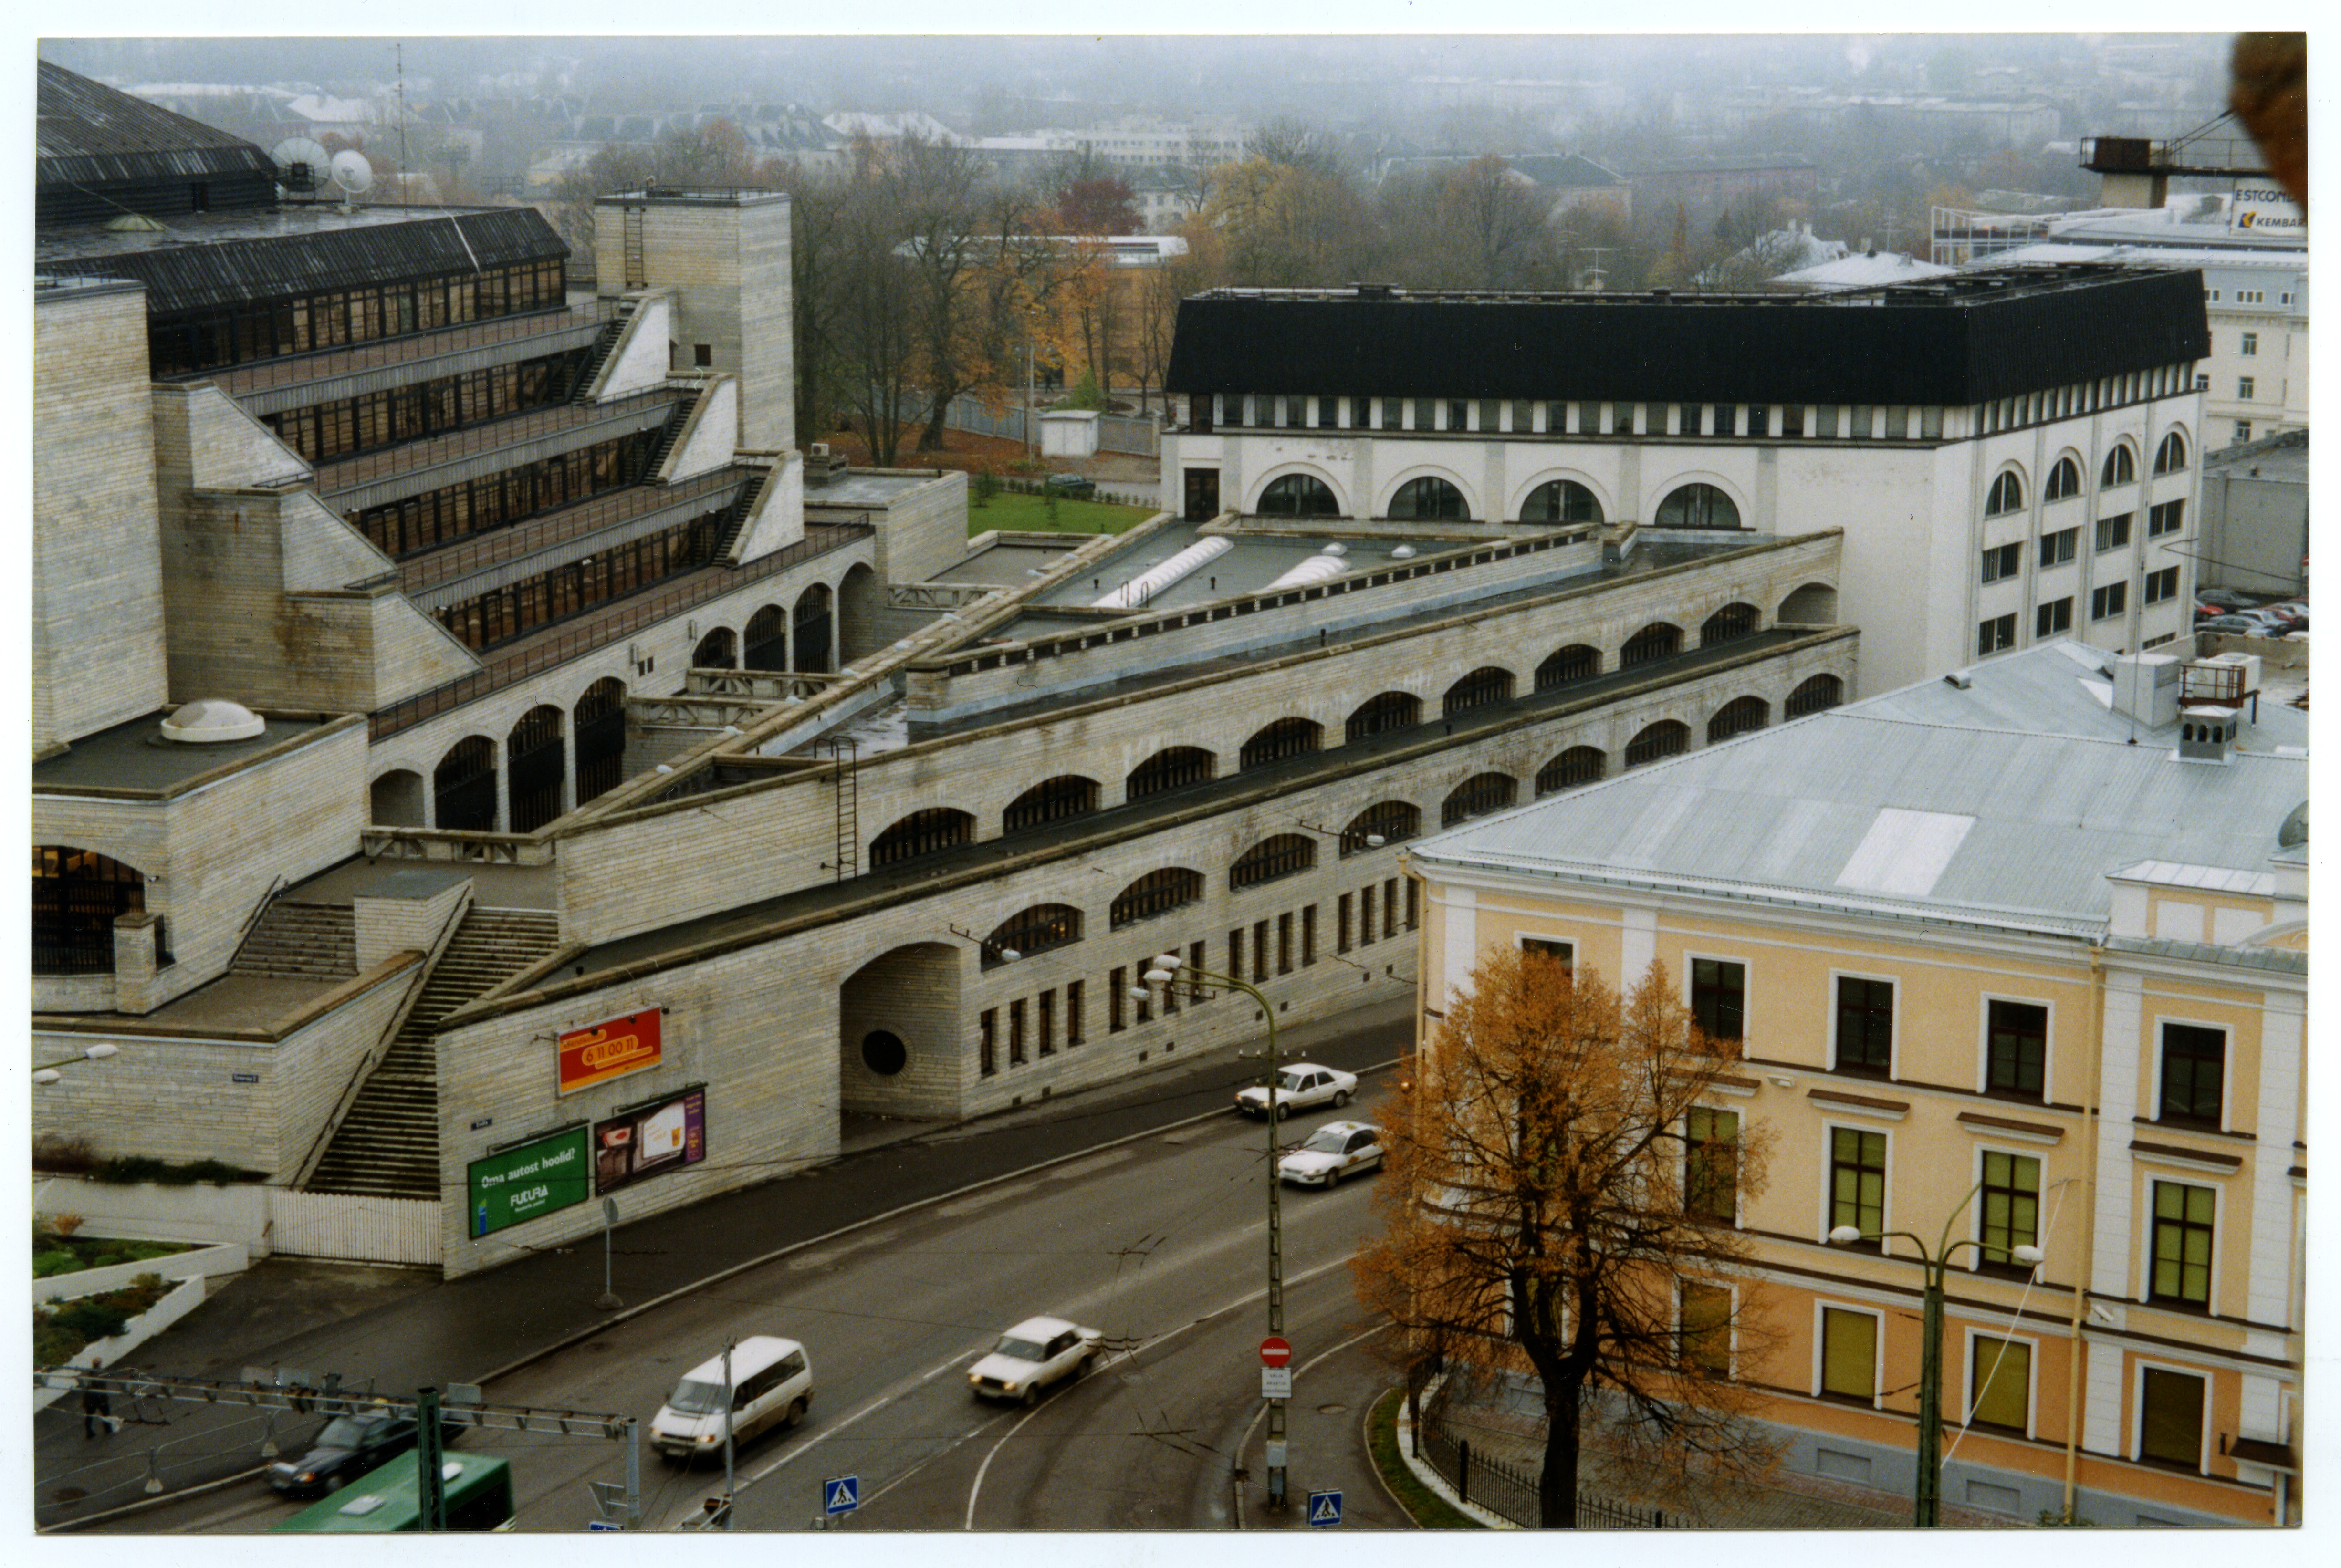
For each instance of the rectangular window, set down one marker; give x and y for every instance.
(702, 355)
(1141, 995)
(987, 1041)
(2161, 585)
(2053, 618)
(1117, 1002)
(1393, 413)
(1260, 951)
(1858, 1180)
(2016, 1048)
(1327, 411)
(1413, 904)
(1170, 993)
(1200, 995)
(2058, 547)
(1707, 1330)
(1284, 943)
(2002, 560)
(1759, 419)
(1235, 954)
(1688, 417)
(2244, 387)
(1865, 1026)
(2182, 1244)
(1999, 632)
(1858, 423)
(1016, 1031)
(1561, 952)
(1711, 1164)
(1389, 908)
(1044, 1023)
(2113, 532)
(2251, 343)
(1342, 911)
(1366, 916)
(2171, 1418)
(1719, 996)
(2167, 518)
(1523, 416)
(1897, 422)
(1490, 416)
(1999, 1379)
(2011, 1211)
(2108, 601)
(1458, 414)
(1621, 418)
(1072, 1014)
(1588, 419)
(1556, 418)
(2192, 1063)
(1307, 935)
(1824, 422)
(1849, 1355)
(1792, 419)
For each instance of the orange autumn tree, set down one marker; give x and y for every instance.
(1562, 1187)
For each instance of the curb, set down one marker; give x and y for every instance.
(1403, 1426)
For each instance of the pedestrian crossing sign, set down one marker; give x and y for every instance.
(843, 1495)
(1324, 1508)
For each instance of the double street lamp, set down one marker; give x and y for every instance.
(1928, 1507)
(47, 1072)
(1168, 967)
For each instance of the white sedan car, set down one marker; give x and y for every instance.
(1301, 1087)
(1333, 1151)
(1032, 1355)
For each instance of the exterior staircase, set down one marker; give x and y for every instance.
(603, 349)
(388, 1145)
(302, 942)
(737, 519)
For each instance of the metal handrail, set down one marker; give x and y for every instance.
(405, 348)
(408, 457)
(623, 618)
(493, 546)
(252, 921)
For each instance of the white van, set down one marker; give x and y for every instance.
(772, 1385)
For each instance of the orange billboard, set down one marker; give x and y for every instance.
(609, 1050)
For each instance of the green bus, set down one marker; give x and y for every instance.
(478, 1489)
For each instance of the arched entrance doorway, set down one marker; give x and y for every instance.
(900, 1051)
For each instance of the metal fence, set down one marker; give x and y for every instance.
(1509, 1490)
(1140, 435)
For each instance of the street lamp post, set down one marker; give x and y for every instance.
(47, 1072)
(1927, 1509)
(1167, 969)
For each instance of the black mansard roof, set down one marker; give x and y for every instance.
(98, 151)
(1965, 339)
(325, 252)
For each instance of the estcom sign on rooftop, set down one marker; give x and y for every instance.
(609, 1050)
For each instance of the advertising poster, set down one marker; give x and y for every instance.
(651, 1140)
(609, 1050)
(531, 1179)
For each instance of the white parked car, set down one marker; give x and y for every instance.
(1333, 1151)
(1032, 1355)
(1300, 1087)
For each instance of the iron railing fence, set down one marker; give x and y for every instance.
(406, 348)
(1510, 1491)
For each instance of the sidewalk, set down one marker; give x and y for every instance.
(400, 1329)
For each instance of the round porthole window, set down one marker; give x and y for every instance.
(883, 1053)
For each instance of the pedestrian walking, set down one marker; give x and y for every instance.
(97, 1408)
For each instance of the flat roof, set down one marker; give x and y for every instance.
(134, 755)
(1008, 563)
(859, 487)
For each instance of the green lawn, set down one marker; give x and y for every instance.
(1431, 1510)
(1008, 512)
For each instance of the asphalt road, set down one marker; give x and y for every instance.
(1160, 1244)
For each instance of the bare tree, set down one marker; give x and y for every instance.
(1559, 1191)
(1497, 221)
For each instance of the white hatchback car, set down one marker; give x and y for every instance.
(1032, 1355)
(1333, 1151)
(1300, 1087)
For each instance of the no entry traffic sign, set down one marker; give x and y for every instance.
(1274, 1352)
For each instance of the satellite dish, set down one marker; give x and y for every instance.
(301, 164)
(353, 173)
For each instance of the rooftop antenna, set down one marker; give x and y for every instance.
(353, 173)
(1600, 279)
(403, 164)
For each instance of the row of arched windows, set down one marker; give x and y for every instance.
(2120, 467)
(765, 642)
(1430, 498)
(1386, 822)
(531, 776)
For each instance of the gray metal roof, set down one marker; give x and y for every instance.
(2276, 960)
(88, 134)
(1930, 802)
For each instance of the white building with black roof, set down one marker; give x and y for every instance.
(2011, 454)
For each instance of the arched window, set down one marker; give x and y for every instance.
(1656, 640)
(466, 785)
(1697, 506)
(1560, 501)
(1036, 930)
(601, 739)
(1429, 499)
(714, 651)
(1489, 683)
(1737, 717)
(2171, 455)
(397, 799)
(77, 895)
(1068, 795)
(1574, 662)
(1285, 738)
(1285, 855)
(812, 640)
(1814, 694)
(765, 643)
(1728, 624)
(2006, 494)
(1297, 495)
(1577, 765)
(1389, 820)
(538, 766)
(2121, 466)
(1666, 738)
(1173, 767)
(927, 832)
(1156, 893)
(1385, 711)
(2063, 480)
(1476, 796)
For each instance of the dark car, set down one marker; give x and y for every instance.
(1075, 484)
(2237, 625)
(348, 1447)
(2228, 598)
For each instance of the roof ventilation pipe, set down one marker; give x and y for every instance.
(1316, 569)
(1154, 579)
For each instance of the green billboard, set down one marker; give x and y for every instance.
(530, 1180)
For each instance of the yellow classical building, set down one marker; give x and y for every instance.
(2015, 959)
